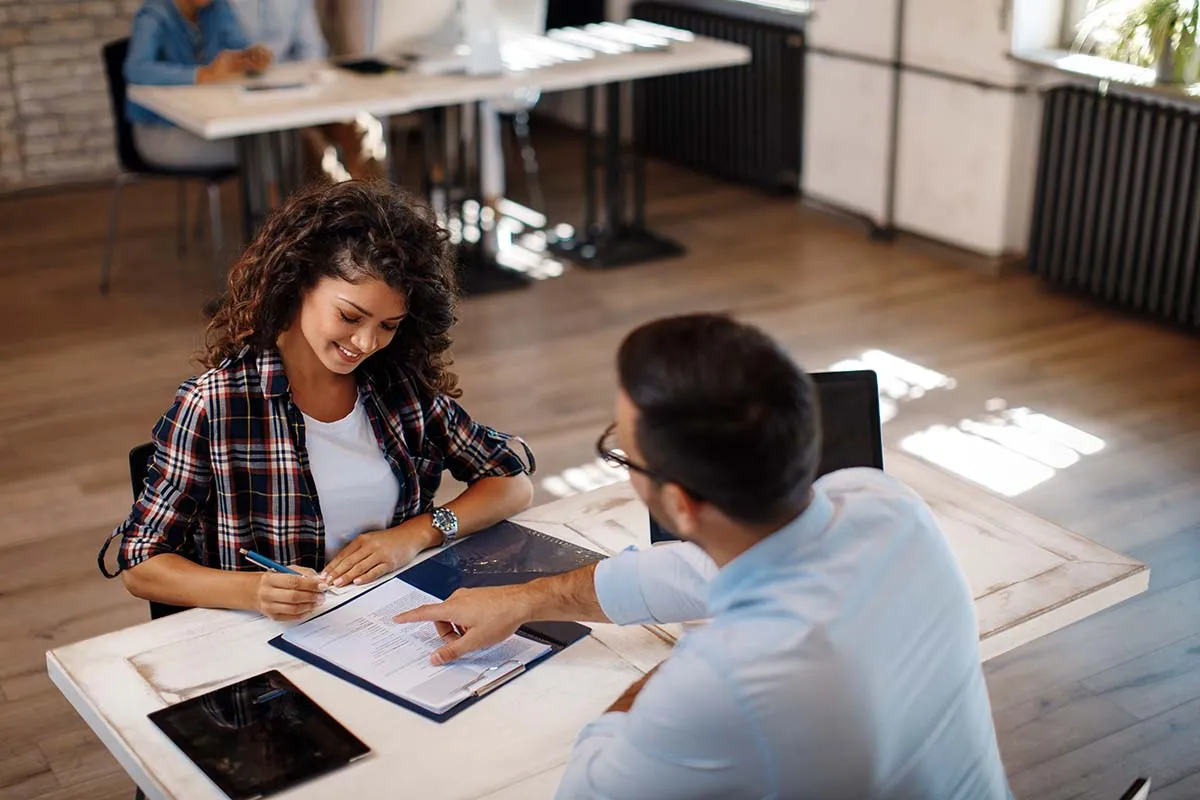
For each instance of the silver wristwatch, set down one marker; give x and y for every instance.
(447, 522)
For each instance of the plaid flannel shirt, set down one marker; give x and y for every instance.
(230, 468)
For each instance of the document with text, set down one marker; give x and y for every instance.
(360, 637)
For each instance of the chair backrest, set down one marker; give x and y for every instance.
(139, 467)
(1139, 790)
(114, 69)
(851, 428)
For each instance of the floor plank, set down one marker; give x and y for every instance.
(1056, 723)
(78, 760)
(1154, 683)
(24, 771)
(1165, 747)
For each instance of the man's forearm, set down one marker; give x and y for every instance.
(570, 596)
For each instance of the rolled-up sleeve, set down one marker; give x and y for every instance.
(664, 584)
(474, 451)
(177, 483)
(686, 736)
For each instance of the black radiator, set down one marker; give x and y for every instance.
(1117, 210)
(742, 123)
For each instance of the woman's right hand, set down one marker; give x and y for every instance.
(286, 597)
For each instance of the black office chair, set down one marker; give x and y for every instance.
(139, 466)
(1139, 790)
(134, 167)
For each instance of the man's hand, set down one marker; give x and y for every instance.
(228, 64)
(285, 597)
(625, 701)
(472, 619)
(256, 58)
(373, 555)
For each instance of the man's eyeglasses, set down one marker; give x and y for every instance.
(611, 454)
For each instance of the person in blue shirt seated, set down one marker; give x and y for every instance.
(178, 43)
(841, 655)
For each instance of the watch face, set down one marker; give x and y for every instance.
(445, 520)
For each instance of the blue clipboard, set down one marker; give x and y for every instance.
(503, 554)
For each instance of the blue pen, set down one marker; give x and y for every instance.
(267, 563)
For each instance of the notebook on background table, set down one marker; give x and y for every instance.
(851, 429)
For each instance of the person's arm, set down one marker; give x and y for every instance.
(173, 579)
(662, 583)
(488, 616)
(497, 488)
(163, 520)
(684, 734)
(142, 65)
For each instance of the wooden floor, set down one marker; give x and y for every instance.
(1080, 713)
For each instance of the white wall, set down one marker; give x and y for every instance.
(845, 162)
(966, 148)
(961, 178)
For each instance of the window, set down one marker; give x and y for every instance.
(1073, 13)
(1128, 30)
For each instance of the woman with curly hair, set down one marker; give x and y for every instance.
(319, 434)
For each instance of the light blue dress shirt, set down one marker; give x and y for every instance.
(288, 27)
(841, 661)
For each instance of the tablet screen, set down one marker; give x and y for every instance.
(258, 736)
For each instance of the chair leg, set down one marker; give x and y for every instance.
(114, 205)
(214, 224)
(198, 230)
(182, 236)
(529, 160)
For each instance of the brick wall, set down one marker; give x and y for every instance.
(55, 123)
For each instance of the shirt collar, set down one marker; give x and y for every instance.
(747, 570)
(271, 376)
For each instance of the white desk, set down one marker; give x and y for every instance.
(224, 110)
(1030, 578)
(331, 94)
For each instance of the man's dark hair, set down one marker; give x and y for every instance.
(725, 413)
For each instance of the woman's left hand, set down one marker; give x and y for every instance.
(373, 555)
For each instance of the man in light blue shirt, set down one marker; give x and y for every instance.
(289, 28)
(841, 657)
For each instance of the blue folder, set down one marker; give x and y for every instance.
(501, 555)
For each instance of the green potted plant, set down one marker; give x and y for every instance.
(1150, 33)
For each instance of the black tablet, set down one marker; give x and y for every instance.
(258, 736)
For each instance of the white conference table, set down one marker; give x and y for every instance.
(331, 94)
(1029, 577)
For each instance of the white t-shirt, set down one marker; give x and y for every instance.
(355, 484)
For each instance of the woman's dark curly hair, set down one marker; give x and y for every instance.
(353, 231)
